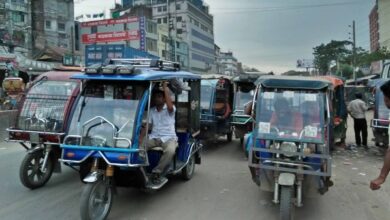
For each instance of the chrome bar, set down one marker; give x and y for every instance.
(276, 192)
(299, 194)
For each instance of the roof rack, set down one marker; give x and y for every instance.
(150, 63)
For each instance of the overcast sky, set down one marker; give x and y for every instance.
(273, 34)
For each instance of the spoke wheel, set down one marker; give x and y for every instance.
(96, 201)
(31, 173)
(189, 169)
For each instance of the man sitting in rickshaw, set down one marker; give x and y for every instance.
(163, 134)
(284, 118)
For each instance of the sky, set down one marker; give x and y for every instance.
(271, 35)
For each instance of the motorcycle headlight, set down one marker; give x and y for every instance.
(288, 148)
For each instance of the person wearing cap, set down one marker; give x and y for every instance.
(377, 182)
(357, 109)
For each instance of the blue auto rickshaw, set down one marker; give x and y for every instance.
(105, 128)
(380, 122)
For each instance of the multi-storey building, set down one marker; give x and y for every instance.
(229, 64)
(374, 29)
(383, 23)
(52, 24)
(15, 25)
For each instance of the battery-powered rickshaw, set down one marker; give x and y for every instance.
(339, 111)
(216, 107)
(106, 128)
(40, 125)
(289, 151)
(244, 88)
(380, 122)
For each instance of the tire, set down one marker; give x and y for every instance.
(96, 201)
(30, 172)
(286, 204)
(188, 171)
(229, 136)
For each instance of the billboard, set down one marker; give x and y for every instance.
(104, 37)
(305, 63)
(109, 22)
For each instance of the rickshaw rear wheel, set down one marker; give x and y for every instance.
(188, 171)
(286, 204)
(96, 201)
(31, 174)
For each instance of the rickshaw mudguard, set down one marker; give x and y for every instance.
(286, 179)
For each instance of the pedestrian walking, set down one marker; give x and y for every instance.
(357, 109)
(376, 183)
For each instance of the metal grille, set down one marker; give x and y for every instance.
(43, 113)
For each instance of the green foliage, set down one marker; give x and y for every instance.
(325, 53)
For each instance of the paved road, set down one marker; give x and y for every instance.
(221, 189)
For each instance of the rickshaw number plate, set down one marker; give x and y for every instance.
(311, 131)
(34, 137)
(264, 127)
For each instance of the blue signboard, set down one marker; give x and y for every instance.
(142, 32)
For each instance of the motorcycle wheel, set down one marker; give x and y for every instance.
(31, 174)
(286, 204)
(188, 171)
(96, 201)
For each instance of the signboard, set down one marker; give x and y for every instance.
(109, 22)
(110, 37)
(305, 63)
(143, 34)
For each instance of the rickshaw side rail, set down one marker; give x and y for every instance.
(242, 116)
(375, 123)
(321, 156)
(32, 131)
(291, 170)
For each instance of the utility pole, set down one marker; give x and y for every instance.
(354, 51)
(72, 44)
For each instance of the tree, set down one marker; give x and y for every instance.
(325, 53)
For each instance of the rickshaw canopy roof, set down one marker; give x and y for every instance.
(249, 77)
(293, 82)
(58, 75)
(215, 76)
(334, 80)
(144, 75)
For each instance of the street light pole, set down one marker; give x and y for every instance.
(354, 51)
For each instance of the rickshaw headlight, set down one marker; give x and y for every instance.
(288, 148)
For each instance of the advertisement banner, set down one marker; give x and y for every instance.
(109, 22)
(143, 34)
(110, 37)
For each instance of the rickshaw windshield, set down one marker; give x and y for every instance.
(383, 111)
(291, 116)
(116, 103)
(241, 100)
(53, 88)
(206, 94)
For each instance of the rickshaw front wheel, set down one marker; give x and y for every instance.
(31, 173)
(286, 203)
(188, 171)
(96, 201)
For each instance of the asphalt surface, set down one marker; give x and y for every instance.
(220, 189)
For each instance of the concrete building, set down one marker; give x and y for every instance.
(15, 25)
(374, 29)
(217, 65)
(383, 22)
(229, 64)
(133, 34)
(52, 24)
(190, 24)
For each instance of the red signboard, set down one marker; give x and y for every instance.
(110, 36)
(109, 22)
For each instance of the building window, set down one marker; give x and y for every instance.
(178, 19)
(159, 9)
(177, 58)
(163, 53)
(61, 26)
(165, 20)
(151, 28)
(179, 31)
(178, 7)
(159, 20)
(164, 8)
(196, 23)
(62, 36)
(48, 24)
(177, 44)
(17, 17)
(151, 45)
(164, 38)
(94, 30)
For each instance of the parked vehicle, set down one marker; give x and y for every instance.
(41, 124)
(216, 107)
(244, 89)
(290, 142)
(106, 129)
(380, 122)
(339, 111)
